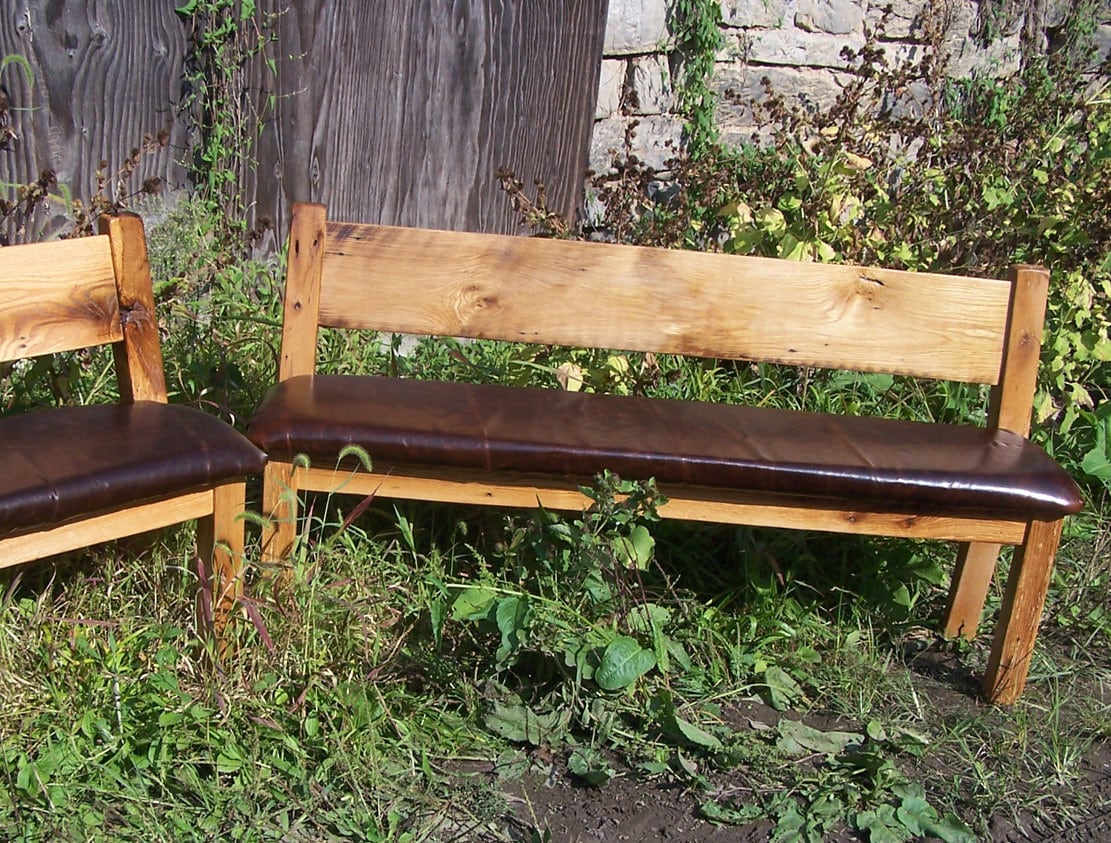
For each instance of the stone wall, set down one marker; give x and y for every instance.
(796, 44)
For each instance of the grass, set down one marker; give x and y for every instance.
(419, 644)
(358, 697)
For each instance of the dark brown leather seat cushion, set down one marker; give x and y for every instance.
(890, 465)
(65, 463)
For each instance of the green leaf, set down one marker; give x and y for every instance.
(635, 550)
(230, 759)
(730, 814)
(589, 765)
(797, 738)
(623, 662)
(473, 603)
(781, 689)
(649, 617)
(436, 617)
(882, 826)
(950, 829)
(521, 724)
(513, 617)
(1096, 464)
(696, 734)
(916, 813)
(677, 651)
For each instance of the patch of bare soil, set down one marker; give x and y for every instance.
(635, 808)
(550, 804)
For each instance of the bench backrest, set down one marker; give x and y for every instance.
(71, 294)
(402, 280)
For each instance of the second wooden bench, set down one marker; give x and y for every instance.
(982, 487)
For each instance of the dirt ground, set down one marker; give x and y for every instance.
(634, 808)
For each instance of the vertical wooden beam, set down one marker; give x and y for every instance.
(1012, 399)
(139, 356)
(1009, 408)
(220, 545)
(307, 237)
(279, 507)
(969, 589)
(1013, 644)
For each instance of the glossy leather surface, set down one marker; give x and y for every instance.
(68, 462)
(890, 465)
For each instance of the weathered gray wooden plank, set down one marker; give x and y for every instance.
(104, 74)
(389, 111)
(402, 113)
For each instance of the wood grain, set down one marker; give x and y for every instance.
(1012, 400)
(402, 112)
(689, 503)
(102, 528)
(641, 299)
(103, 75)
(968, 591)
(279, 506)
(139, 370)
(220, 540)
(301, 305)
(57, 297)
(1020, 615)
(394, 111)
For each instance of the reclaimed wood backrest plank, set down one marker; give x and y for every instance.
(665, 301)
(57, 296)
(66, 295)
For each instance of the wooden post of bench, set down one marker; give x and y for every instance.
(307, 237)
(1021, 612)
(138, 358)
(1010, 407)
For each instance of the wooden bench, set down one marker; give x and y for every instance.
(82, 475)
(516, 447)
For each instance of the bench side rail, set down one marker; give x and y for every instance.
(57, 297)
(663, 301)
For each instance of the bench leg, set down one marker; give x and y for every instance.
(969, 591)
(1013, 644)
(220, 545)
(279, 505)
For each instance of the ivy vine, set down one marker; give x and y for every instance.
(696, 26)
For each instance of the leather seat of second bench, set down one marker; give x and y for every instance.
(889, 464)
(69, 462)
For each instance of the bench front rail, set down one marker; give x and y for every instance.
(482, 445)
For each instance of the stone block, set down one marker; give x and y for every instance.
(998, 59)
(635, 26)
(766, 14)
(607, 142)
(740, 89)
(655, 140)
(795, 48)
(611, 86)
(835, 17)
(1102, 44)
(1056, 11)
(652, 90)
(905, 20)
